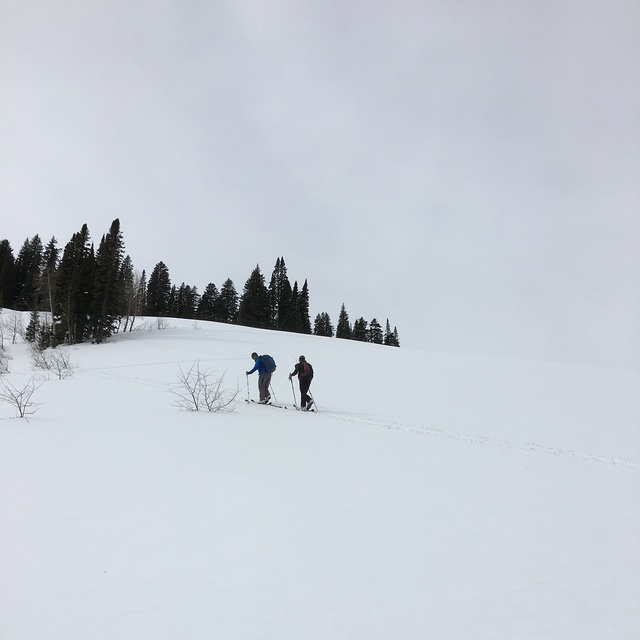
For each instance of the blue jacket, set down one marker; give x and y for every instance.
(259, 366)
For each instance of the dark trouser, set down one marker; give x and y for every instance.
(264, 380)
(305, 383)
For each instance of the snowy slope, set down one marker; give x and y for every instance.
(433, 496)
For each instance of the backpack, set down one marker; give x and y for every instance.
(269, 363)
(306, 369)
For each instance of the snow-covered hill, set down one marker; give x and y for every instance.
(432, 496)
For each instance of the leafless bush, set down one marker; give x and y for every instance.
(153, 324)
(57, 361)
(198, 390)
(145, 325)
(4, 361)
(20, 398)
(13, 326)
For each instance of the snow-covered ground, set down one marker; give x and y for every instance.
(432, 496)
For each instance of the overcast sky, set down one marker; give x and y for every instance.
(469, 169)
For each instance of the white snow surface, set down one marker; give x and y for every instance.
(432, 496)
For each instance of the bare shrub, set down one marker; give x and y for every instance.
(153, 324)
(21, 399)
(4, 361)
(198, 390)
(56, 361)
(13, 326)
(145, 325)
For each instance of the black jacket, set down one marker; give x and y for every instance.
(301, 370)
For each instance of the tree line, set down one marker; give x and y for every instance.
(80, 293)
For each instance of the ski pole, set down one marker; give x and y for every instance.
(313, 399)
(248, 396)
(295, 403)
(272, 392)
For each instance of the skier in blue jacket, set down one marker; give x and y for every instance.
(264, 378)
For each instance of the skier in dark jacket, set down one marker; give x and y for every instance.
(264, 377)
(305, 375)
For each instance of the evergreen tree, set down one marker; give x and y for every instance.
(33, 327)
(74, 292)
(390, 337)
(48, 280)
(207, 306)
(254, 309)
(186, 302)
(45, 337)
(387, 333)
(322, 325)
(226, 305)
(127, 285)
(7, 274)
(293, 319)
(28, 268)
(108, 296)
(303, 309)
(375, 332)
(173, 302)
(360, 332)
(192, 301)
(280, 298)
(159, 291)
(343, 330)
(140, 301)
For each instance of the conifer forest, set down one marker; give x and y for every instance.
(78, 293)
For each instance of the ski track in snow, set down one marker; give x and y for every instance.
(101, 373)
(364, 419)
(479, 440)
(106, 372)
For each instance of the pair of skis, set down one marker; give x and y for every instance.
(280, 406)
(268, 404)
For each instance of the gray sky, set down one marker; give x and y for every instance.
(469, 169)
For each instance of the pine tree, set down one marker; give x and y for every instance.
(375, 332)
(207, 306)
(303, 309)
(140, 300)
(343, 330)
(108, 296)
(391, 337)
(159, 291)
(74, 292)
(293, 319)
(387, 333)
(360, 331)
(48, 279)
(45, 337)
(226, 305)
(186, 302)
(254, 310)
(173, 302)
(322, 325)
(7, 274)
(280, 298)
(28, 267)
(33, 327)
(126, 281)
